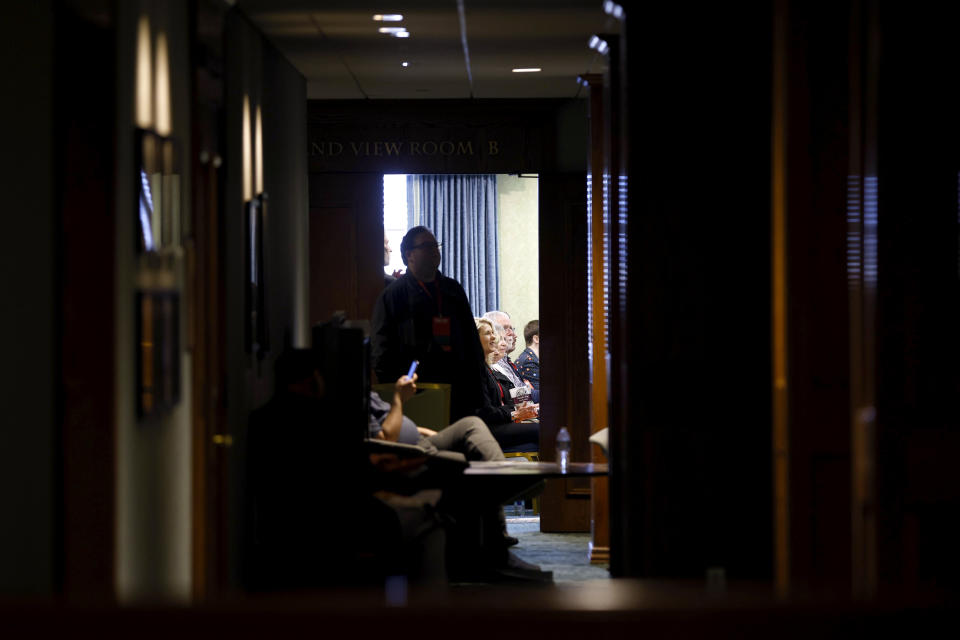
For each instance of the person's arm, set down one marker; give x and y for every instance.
(530, 373)
(535, 393)
(392, 423)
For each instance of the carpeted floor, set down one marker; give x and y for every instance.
(566, 554)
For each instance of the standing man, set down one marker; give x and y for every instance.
(505, 365)
(529, 360)
(426, 316)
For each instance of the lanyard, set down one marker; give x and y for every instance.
(439, 299)
(498, 386)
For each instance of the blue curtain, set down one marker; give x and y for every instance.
(461, 211)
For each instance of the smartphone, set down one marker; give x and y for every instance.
(413, 368)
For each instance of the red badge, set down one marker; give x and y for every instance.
(441, 332)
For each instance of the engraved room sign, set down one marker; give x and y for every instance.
(427, 136)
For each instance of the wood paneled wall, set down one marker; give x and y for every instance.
(346, 244)
(820, 116)
(690, 339)
(870, 165)
(599, 268)
(565, 378)
(917, 281)
(84, 176)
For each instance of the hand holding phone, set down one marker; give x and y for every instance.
(405, 386)
(413, 368)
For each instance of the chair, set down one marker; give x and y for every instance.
(530, 452)
(429, 407)
(532, 456)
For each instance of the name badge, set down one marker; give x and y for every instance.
(441, 332)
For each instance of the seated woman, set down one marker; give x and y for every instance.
(506, 423)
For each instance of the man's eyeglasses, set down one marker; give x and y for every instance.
(427, 245)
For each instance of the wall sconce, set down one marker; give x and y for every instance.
(157, 211)
(257, 337)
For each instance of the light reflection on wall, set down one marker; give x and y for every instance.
(622, 239)
(144, 81)
(590, 274)
(854, 234)
(247, 152)
(162, 109)
(606, 256)
(870, 230)
(153, 109)
(258, 154)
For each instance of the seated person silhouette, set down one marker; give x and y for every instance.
(529, 361)
(514, 429)
(505, 367)
(312, 520)
(316, 520)
(469, 436)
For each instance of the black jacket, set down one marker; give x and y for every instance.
(493, 411)
(403, 332)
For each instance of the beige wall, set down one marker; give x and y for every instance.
(519, 251)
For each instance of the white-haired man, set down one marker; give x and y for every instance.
(505, 365)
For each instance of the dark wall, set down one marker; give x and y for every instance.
(27, 264)
(872, 252)
(255, 67)
(691, 343)
(918, 306)
(821, 105)
(285, 180)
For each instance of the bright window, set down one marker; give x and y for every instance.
(395, 217)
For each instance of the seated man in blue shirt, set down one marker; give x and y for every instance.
(470, 436)
(529, 360)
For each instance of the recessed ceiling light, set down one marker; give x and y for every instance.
(404, 64)
(613, 9)
(527, 70)
(599, 44)
(396, 32)
(388, 17)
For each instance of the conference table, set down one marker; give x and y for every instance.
(509, 468)
(514, 479)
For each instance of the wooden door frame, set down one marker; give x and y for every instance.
(206, 322)
(565, 505)
(599, 391)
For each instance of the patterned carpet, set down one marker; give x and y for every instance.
(566, 554)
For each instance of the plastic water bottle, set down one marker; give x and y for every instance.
(563, 449)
